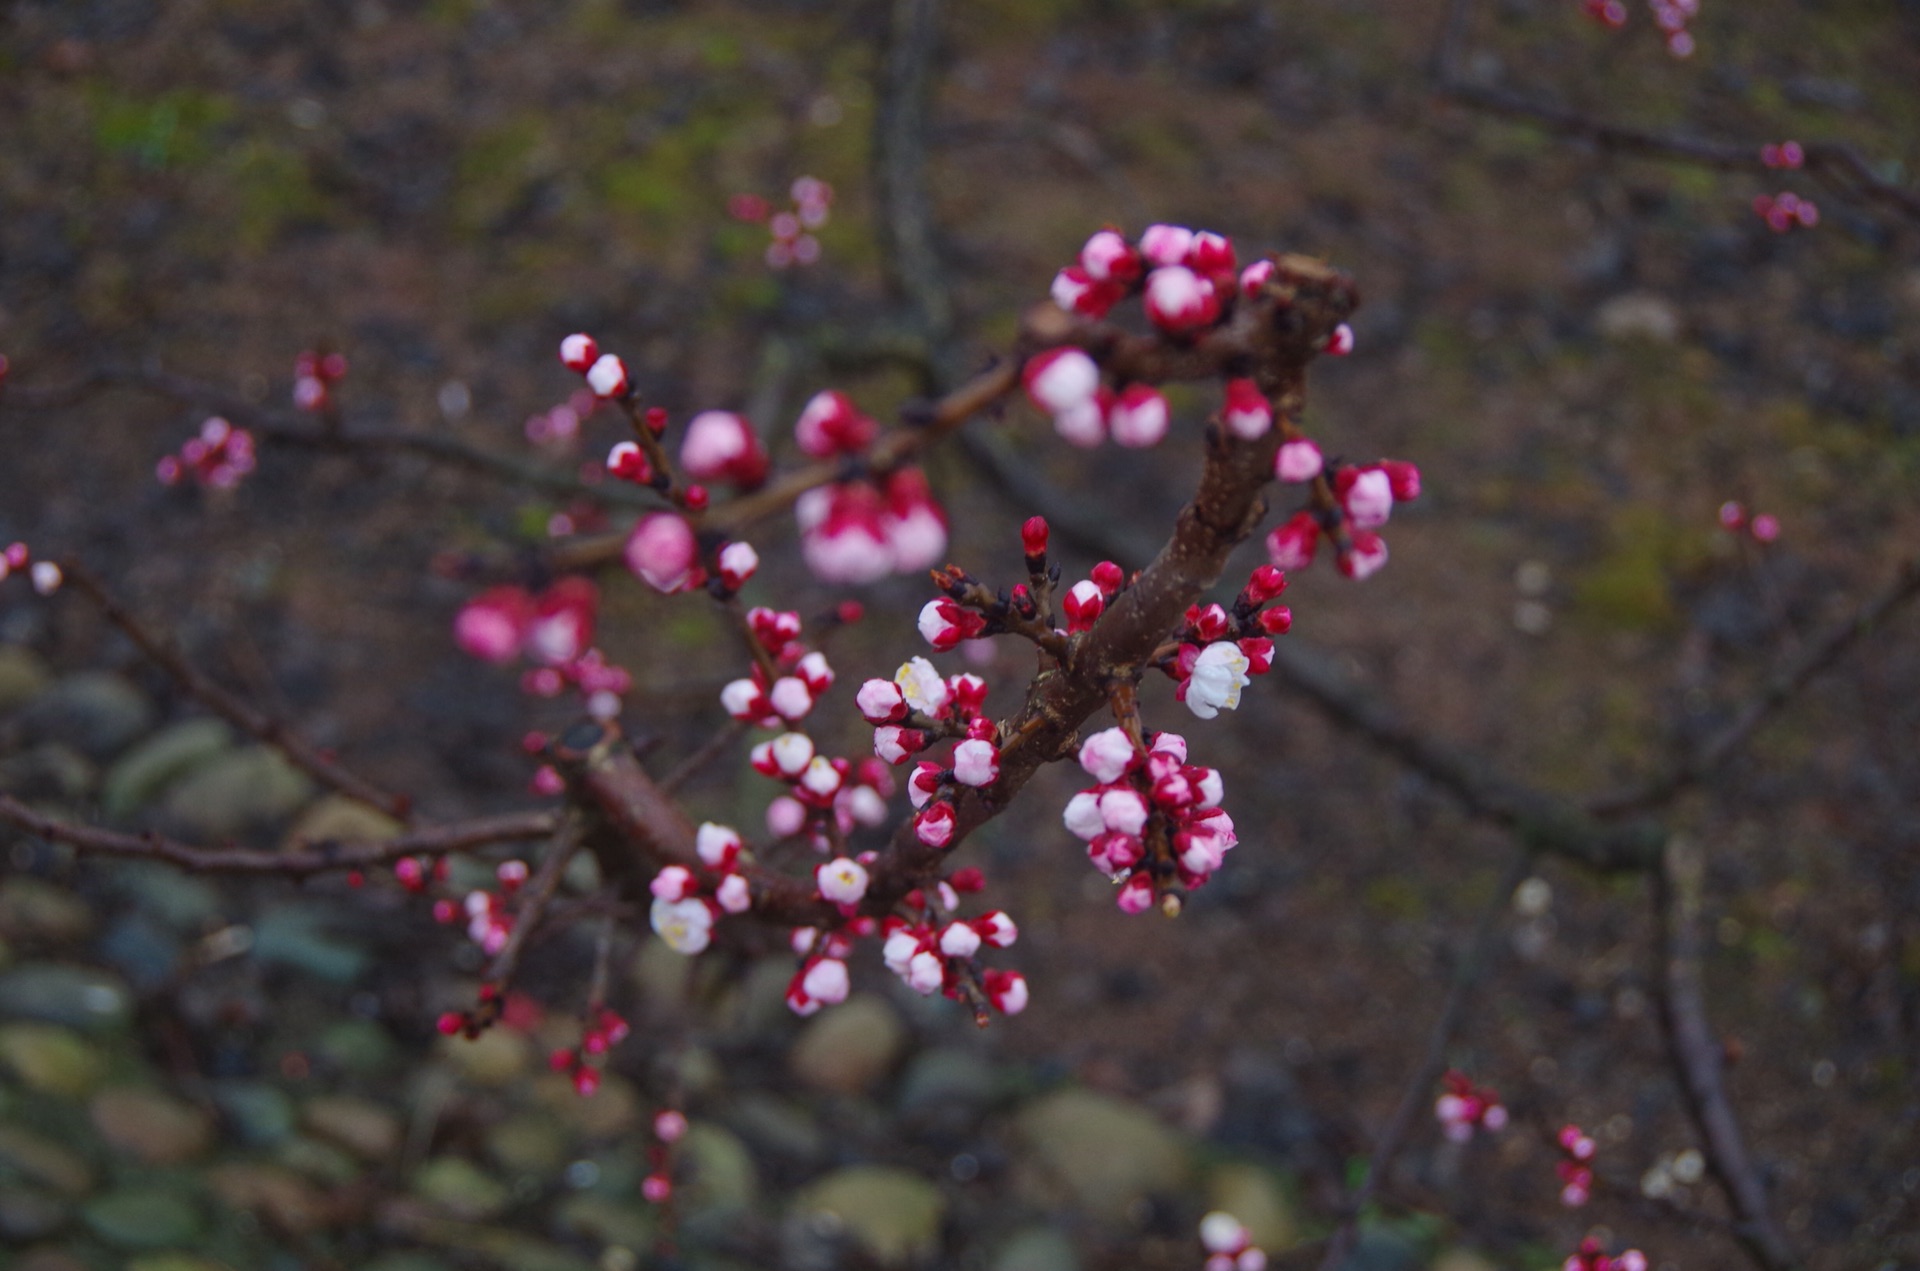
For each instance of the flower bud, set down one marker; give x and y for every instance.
(1165, 244)
(607, 377)
(1060, 378)
(1179, 301)
(1292, 545)
(1107, 257)
(1138, 416)
(1033, 536)
(661, 551)
(579, 352)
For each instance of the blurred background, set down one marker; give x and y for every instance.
(1587, 352)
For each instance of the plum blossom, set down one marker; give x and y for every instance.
(685, 925)
(1219, 673)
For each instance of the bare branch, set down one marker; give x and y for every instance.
(301, 862)
(1697, 1057)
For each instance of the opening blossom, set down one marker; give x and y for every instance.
(685, 925)
(1219, 673)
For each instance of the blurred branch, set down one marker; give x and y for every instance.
(907, 249)
(162, 653)
(1698, 1056)
(1418, 1091)
(1773, 696)
(295, 431)
(1837, 165)
(295, 863)
(534, 899)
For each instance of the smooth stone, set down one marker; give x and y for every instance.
(142, 1218)
(236, 791)
(778, 1128)
(141, 775)
(261, 1114)
(33, 909)
(23, 677)
(181, 901)
(42, 1160)
(528, 1142)
(141, 948)
(1638, 315)
(1253, 1195)
(893, 1213)
(849, 1048)
(359, 1047)
(50, 770)
(1036, 1249)
(297, 935)
(63, 993)
(945, 1079)
(1107, 1153)
(606, 1221)
(364, 1128)
(51, 1059)
(610, 1112)
(334, 818)
(27, 1213)
(721, 1173)
(494, 1058)
(95, 712)
(460, 1188)
(318, 1160)
(150, 1126)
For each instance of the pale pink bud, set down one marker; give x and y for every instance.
(881, 702)
(1007, 990)
(831, 424)
(579, 352)
(1169, 744)
(744, 700)
(661, 551)
(898, 949)
(1108, 257)
(821, 779)
(790, 698)
(959, 940)
(1221, 1232)
(864, 805)
(46, 577)
(1076, 292)
(1165, 244)
(685, 925)
(1298, 461)
(1106, 755)
(1123, 811)
(721, 446)
(607, 377)
(1368, 500)
(895, 745)
(1083, 424)
(786, 816)
(491, 625)
(791, 753)
(1060, 378)
(925, 973)
(1369, 554)
(923, 784)
(669, 1126)
(1292, 545)
(1210, 255)
(675, 882)
(1083, 605)
(1138, 416)
(997, 929)
(1340, 343)
(1179, 300)
(718, 846)
(1255, 276)
(738, 561)
(976, 763)
(1083, 817)
(1247, 414)
(934, 824)
(1135, 895)
(841, 880)
(826, 981)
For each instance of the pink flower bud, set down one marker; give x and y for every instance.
(1404, 479)
(579, 352)
(1366, 495)
(1298, 461)
(1076, 292)
(492, 625)
(661, 551)
(1083, 605)
(1292, 545)
(1247, 413)
(1211, 255)
(738, 562)
(976, 763)
(718, 846)
(820, 782)
(607, 377)
(826, 981)
(831, 424)
(881, 702)
(1106, 755)
(745, 700)
(1107, 257)
(786, 817)
(1033, 536)
(1060, 378)
(923, 784)
(959, 940)
(841, 881)
(1138, 416)
(1136, 894)
(934, 824)
(1255, 276)
(1165, 244)
(1180, 301)
(1083, 424)
(1007, 990)
(627, 462)
(791, 753)
(924, 972)
(722, 446)
(944, 624)
(896, 745)
(675, 882)
(997, 929)
(1340, 342)
(1083, 817)
(1369, 554)
(790, 698)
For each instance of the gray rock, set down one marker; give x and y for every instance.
(366, 1129)
(1253, 1195)
(895, 1215)
(297, 936)
(1036, 1249)
(26, 1155)
(141, 775)
(722, 1176)
(34, 909)
(51, 1059)
(61, 993)
(142, 1218)
(461, 1189)
(1105, 1152)
(849, 1048)
(96, 712)
(261, 1114)
(236, 791)
(942, 1082)
(182, 902)
(778, 1128)
(152, 1127)
(23, 677)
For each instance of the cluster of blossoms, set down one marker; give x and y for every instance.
(669, 1127)
(793, 243)
(1786, 211)
(218, 456)
(1219, 650)
(1464, 1108)
(1229, 1244)
(314, 375)
(1783, 154)
(1575, 1166)
(605, 1030)
(1150, 815)
(863, 528)
(1188, 280)
(913, 709)
(1764, 526)
(1364, 498)
(1671, 16)
(554, 631)
(44, 574)
(928, 954)
(1591, 1256)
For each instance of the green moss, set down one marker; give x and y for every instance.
(175, 129)
(1627, 588)
(272, 188)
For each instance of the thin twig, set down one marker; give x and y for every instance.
(709, 750)
(534, 899)
(1781, 687)
(161, 652)
(315, 858)
(1418, 1092)
(1698, 1057)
